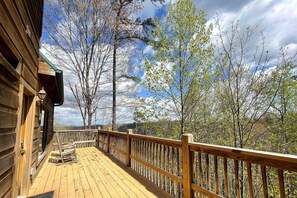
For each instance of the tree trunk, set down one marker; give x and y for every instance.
(114, 62)
(114, 87)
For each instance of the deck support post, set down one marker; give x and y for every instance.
(187, 160)
(128, 147)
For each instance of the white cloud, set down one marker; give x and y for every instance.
(277, 19)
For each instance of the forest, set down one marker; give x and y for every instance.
(218, 81)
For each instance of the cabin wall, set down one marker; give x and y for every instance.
(20, 33)
(8, 122)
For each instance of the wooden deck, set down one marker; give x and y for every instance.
(95, 175)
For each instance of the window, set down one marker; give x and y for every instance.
(8, 54)
(43, 130)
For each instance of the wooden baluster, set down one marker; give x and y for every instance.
(207, 172)
(144, 147)
(146, 158)
(128, 148)
(137, 155)
(153, 162)
(264, 181)
(163, 166)
(156, 162)
(172, 169)
(141, 156)
(159, 163)
(134, 153)
(281, 183)
(108, 141)
(178, 171)
(250, 179)
(168, 168)
(200, 169)
(149, 161)
(216, 173)
(196, 167)
(144, 155)
(236, 178)
(226, 178)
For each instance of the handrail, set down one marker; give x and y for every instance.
(277, 160)
(165, 141)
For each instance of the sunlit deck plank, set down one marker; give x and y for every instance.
(119, 185)
(70, 182)
(103, 175)
(101, 185)
(95, 175)
(129, 189)
(77, 180)
(126, 182)
(63, 192)
(92, 190)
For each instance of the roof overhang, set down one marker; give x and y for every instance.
(51, 79)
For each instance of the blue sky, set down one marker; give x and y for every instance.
(277, 20)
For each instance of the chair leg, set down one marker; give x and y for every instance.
(62, 159)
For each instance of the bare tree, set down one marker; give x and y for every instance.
(126, 30)
(80, 31)
(244, 80)
(246, 88)
(284, 106)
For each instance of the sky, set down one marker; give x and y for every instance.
(277, 20)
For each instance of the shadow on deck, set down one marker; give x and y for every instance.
(95, 175)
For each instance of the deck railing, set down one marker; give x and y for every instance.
(81, 138)
(185, 168)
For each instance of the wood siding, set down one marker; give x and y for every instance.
(8, 120)
(20, 33)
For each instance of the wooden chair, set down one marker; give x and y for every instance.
(67, 151)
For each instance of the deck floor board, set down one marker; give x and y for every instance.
(95, 175)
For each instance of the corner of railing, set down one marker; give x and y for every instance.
(187, 165)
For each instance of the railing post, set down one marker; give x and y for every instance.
(98, 137)
(187, 157)
(128, 146)
(108, 139)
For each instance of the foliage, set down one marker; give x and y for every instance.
(179, 69)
